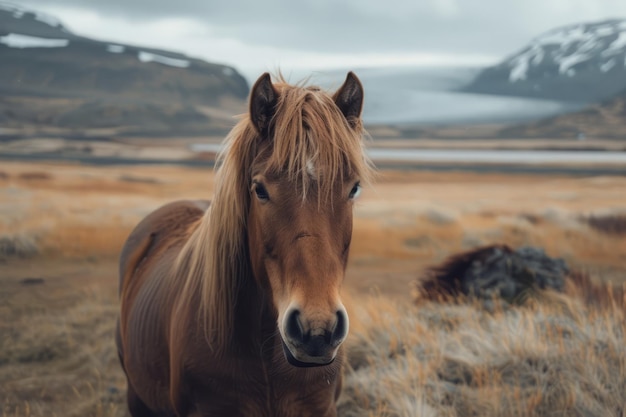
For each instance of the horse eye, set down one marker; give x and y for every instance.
(261, 192)
(355, 192)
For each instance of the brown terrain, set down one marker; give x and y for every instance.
(62, 226)
(605, 120)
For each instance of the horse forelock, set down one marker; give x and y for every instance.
(313, 145)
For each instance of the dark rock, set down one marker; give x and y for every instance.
(32, 281)
(495, 271)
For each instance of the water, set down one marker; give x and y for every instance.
(477, 156)
(497, 156)
(407, 107)
(406, 96)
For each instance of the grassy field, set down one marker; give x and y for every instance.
(62, 226)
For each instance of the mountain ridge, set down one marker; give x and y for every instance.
(105, 84)
(583, 62)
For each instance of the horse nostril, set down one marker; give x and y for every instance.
(294, 329)
(341, 328)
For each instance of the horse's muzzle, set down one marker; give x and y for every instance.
(300, 364)
(307, 345)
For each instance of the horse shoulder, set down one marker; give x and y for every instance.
(144, 271)
(165, 223)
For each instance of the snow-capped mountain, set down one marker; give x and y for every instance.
(40, 57)
(582, 62)
(41, 50)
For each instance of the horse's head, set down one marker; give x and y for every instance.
(306, 172)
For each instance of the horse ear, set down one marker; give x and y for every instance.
(349, 99)
(263, 100)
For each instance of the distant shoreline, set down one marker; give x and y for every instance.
(569, 170)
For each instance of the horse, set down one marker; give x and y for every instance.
(232, 307)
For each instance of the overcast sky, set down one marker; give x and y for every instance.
(256, 35)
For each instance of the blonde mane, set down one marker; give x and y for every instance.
(309, 131)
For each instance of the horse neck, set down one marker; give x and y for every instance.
(254, 321)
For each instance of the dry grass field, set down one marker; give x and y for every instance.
(62, 226)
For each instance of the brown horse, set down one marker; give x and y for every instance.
(233, 309)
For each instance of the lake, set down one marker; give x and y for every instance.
(409, 95)
(476, 156)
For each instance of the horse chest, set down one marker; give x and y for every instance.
(311, 398)
(257, 390)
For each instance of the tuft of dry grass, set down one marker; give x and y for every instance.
(21, 245)
(559, 358)
(35, 176)
(62, 362)
(594, 292)
(612, 224)
(457, 360)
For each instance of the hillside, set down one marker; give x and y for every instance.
(605, 120)
(580, 63)
(53, 78)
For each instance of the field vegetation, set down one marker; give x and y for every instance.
(558, 354)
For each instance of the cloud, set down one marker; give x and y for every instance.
(349, 27)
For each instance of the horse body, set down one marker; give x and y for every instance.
(240, 315)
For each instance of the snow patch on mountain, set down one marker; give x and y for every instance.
(617, 46)
(520, 68)
(13, 40)
(567, 62)
(115, 49)
(161, 59)
(607, 65)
